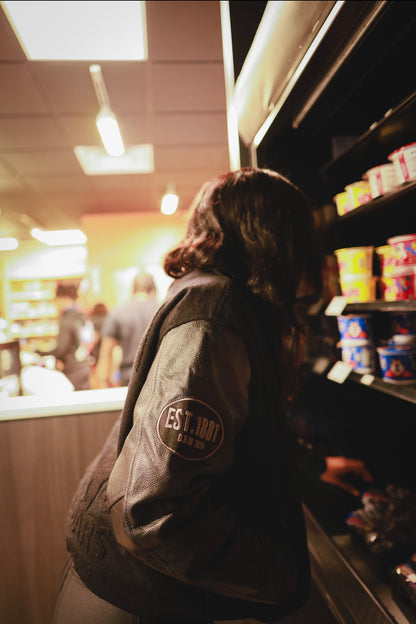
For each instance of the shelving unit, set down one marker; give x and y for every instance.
(357, 85)
(30, 308)
(28, 286)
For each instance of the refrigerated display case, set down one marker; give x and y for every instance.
(326, 108)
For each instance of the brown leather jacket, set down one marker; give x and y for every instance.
(202, 494)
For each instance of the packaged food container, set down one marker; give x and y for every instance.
(400, 285)
(386, 259)
(359, 354)
(401, 339)
(358, 193)
(403, 323)
(398, 363)
(382, 179)
(404, 161)
(342, 203)
(355, 327)
(358, 288)
(355, 260)
(404, 248)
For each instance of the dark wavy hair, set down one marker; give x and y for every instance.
(256, 226)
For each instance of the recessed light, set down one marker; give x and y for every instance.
(80, 30)
(94, 160)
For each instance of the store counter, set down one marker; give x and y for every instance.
(46, 443)
(60, 404)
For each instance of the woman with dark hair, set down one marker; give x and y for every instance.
(191, 512)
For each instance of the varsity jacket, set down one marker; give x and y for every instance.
(191, 513)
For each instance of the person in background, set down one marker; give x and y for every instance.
(75, 335)
(97, 316)
(191, 511)
(125, 326)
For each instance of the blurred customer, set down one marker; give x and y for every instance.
(75, 336)
(98, 315)
(124, 327)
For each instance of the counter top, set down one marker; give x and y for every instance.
(80, 402)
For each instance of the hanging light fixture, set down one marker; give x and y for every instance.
(59, 237)
(8, 243)
(170, 201)
(106, 120)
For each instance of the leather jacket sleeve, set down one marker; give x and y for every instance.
(164, 488)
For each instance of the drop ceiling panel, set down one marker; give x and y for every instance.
(190, 158)
(196, 35)
(122, 183)
(31, 132)
(175, 90)
(189, 128)
(50, 185)
(19, 93)
(10, 49)
(69, 88)
(8, 183)
(44, 163)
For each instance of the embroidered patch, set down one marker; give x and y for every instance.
(190, 428)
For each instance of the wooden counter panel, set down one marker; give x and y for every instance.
(41, 463)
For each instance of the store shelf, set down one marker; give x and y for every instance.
(374, 222)
(388, 133)
(404, 392)
(322, 366)
(391, 199)
(354, 592)
(339, 306)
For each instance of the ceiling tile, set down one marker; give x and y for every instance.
(190, 128)
(43, 163)
(174, 89)
(18, 92)
(10, 49)
(30, 132)
(187, 158)
(179, 31)
(69, 88)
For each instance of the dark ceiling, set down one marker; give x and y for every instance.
(175, 101)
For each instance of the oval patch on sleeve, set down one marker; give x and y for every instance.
(190, 428)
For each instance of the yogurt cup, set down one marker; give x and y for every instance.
(355, 327)
(358, 193)
(355, 260)
(400, 285)
(404, 161)
(358, 288)
(382, 179)
(404, 249)
(342, 203)
(359, 354)
(386, 259)
(398, 363)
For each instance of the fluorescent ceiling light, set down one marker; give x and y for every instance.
(106, 120)
(110, 132)
(95, 161)
(80, 30)
(8, 243)
(59, 237)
